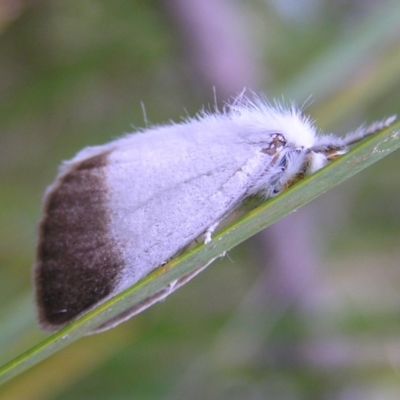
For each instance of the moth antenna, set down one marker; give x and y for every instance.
(364, 131)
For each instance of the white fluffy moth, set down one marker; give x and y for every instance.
(117, 211)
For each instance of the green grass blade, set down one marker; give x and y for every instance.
(365, 154)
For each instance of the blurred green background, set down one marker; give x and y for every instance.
(307, 310)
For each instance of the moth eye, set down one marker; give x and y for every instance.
(277, 142)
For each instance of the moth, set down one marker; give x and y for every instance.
(117, 211)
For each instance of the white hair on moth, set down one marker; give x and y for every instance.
(304, 149)
(117, 211)
(257, 114)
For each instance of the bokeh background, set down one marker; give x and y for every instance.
(310, 308)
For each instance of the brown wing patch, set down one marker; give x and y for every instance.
(77, 260)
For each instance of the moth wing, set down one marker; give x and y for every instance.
(179, 208)
(116, 212)
(185, 185)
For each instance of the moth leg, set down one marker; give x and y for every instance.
(208, 233)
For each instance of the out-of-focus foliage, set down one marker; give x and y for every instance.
(74, 73)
